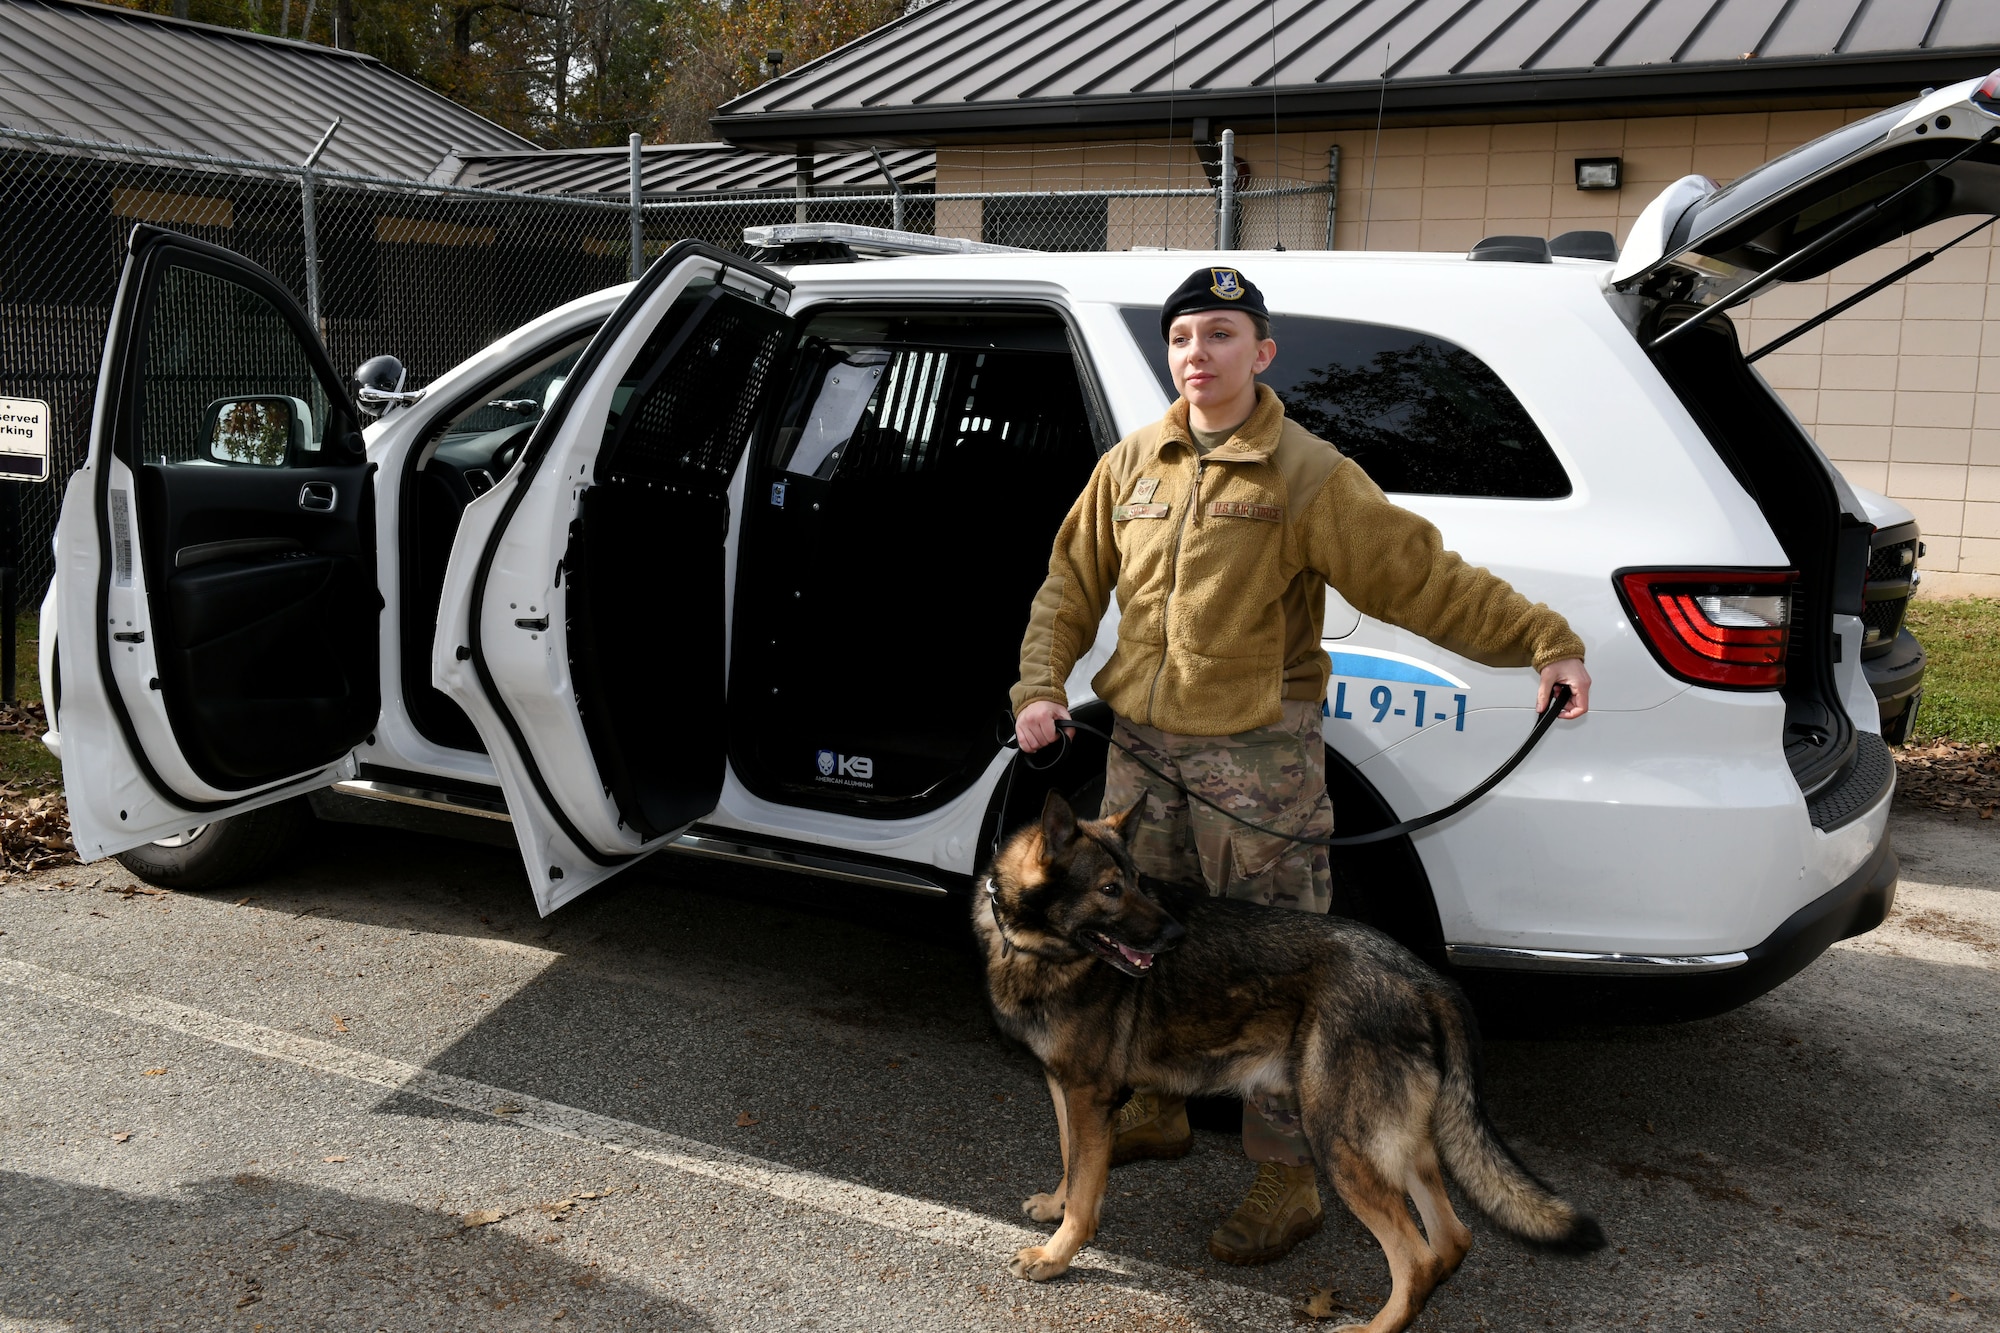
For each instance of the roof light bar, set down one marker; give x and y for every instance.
(869, 240)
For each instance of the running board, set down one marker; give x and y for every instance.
(691, 844)
(1564, 960)
(805, 863)
(458, 803)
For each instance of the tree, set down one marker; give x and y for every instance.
(566, 73)
(718, 49)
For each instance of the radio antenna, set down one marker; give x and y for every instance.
(1173, 66)
(1375, 159)
(1279, 240)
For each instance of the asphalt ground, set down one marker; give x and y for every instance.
(375, 1091)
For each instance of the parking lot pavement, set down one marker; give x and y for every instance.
(707, 1098)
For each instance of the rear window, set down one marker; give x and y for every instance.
(1421, 415)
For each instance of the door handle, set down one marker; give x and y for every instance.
(318, 496)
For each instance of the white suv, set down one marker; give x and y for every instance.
(735, 561)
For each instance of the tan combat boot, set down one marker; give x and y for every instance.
(1151, 1126)
(1281, 1210)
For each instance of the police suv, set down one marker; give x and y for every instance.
(735, 561)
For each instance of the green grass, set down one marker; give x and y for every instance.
(24, 759)
(1962, 682)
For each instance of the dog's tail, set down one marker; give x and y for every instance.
(1479, 1159)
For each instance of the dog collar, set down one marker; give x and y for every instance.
(993, 906)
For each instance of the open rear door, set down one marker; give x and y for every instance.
(583, 623)
(216, 558)
(1700, 247)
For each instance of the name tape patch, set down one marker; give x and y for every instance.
(1244, 509)
(1123, 513)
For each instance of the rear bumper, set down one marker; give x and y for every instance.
(1667, 990)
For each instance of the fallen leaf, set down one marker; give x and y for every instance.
(485, 1217)
(240, 901)
(999, 1096)
(152, 1073)
(120, 1138)
(333, 1159)
(339, 1023)
(595, 1194)
(744, 1120)
(251, 1299)
(506, 1108)
(1956, 1295)
(558, 1208)
(1323, 1304)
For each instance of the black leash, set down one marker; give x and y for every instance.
(1558, 697)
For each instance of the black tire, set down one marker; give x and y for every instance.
(223, 852)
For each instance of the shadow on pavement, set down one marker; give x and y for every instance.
(1796, 1162)
(257, 1252)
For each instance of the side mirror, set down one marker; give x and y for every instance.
(378, 386)
(262, 431)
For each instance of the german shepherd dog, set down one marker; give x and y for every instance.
(1117, 985)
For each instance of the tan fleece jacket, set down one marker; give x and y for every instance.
(1221, 562)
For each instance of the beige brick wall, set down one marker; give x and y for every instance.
(1903, 392)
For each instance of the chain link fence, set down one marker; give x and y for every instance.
(433, 273)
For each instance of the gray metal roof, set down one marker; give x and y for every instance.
(688, 168)
(964, 68)
(97, 72)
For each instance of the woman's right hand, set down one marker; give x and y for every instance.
(1036, 726)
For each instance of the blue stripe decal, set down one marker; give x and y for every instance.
(1369, 667)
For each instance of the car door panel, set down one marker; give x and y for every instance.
(226, 593)
(582, 626)
(264, 673)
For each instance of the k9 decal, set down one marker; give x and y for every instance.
(1389, 689)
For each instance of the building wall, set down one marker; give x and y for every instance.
(1903, 392)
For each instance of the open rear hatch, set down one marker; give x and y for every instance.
(1699, 251)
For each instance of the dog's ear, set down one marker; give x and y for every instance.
(1058, 825)
(1118, 820)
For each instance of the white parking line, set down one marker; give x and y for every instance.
(1221, 1302)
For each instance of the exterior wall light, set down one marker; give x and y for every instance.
(1599, 173)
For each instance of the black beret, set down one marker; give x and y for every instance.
(1212, 289)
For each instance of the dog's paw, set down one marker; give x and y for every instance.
(1044, 1207)
(1037, 1265)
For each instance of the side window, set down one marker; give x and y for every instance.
(901, 398)
(1421, 415)
(481, 442)
(226, 380)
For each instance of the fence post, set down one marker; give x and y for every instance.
(895, 190)
(1225, 223)
(308, 207)
(10, 585)
(802, 180)
(638, 216)
(1332, 189)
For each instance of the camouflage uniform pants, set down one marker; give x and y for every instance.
(1276, 778)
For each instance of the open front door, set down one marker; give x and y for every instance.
(216, 558)
(583, 622)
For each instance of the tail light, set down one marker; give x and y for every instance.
(1726, 627)
(1989, 91)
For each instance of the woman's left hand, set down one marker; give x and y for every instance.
(1569, 671)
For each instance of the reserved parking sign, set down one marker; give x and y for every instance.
(24, 439)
